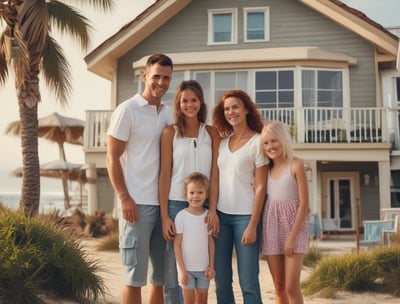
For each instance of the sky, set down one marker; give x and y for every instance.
(90, 92)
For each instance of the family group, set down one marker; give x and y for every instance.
(191, 194)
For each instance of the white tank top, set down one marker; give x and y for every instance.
(189, 155)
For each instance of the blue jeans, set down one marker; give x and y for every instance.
(230, 235)
(172, 290)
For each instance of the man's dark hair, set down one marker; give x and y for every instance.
(161, 59)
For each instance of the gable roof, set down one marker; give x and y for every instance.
(103, 59)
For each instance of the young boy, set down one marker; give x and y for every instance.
(194, 244)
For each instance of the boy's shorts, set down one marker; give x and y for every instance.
(197, 280)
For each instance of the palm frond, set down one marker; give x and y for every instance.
(33, 23)
(68, 20)
(55, 70)
(3, 62)
(106, 5)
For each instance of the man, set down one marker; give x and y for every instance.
(133, 158)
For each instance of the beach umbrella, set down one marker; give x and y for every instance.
(55, 128)
(60, 169)
(59, 129)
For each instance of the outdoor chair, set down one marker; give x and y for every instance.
(374, 231)
(387, 233)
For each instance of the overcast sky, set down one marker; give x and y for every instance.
(91, 92)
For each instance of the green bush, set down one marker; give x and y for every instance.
(350, 272)
(387, 262)
(312, 257)
(39, 257)
(110, 242)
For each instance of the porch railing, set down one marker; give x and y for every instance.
(333, 125)
(307, 125)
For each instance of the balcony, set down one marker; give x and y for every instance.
(334, 125)
(307, 125)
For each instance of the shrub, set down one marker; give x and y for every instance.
(110, 242)
(387, 262)
(312, 257)
(38, 257)
(350, 272)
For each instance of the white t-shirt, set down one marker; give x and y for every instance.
(194, 239)
(139, 124)
(189, 155)
(237, 174)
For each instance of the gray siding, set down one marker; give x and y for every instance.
(292, 24)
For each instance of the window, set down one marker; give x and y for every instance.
(395, 189)
(215, 84)
(222, 26)
(274, 89)
(322, 88)
(256, 21)
(397, 83)
(177, 78)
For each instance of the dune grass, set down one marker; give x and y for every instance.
(40, 257)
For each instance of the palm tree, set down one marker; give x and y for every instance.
(26, 45)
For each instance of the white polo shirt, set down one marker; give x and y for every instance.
(139, 124)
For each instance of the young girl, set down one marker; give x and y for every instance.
(194, 244)
(189, 145)
(284, 237)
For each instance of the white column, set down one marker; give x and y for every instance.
(91, 175)
(384, 184)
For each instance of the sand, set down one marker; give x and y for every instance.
(112, 276)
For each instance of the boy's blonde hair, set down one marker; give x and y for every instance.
(196, 178)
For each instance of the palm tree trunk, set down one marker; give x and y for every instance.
(30, 192)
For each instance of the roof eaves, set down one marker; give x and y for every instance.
(360, 23)
(103, 59)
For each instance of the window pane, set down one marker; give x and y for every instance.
(286, 99)
(225, 81)
(274, 89)
(177, 78)
(241, 82)
(255, 26)
(222, 27)
(330, 80)
(204, 78)
(286, 80)
(398, 88)
(322, 88)
(266, 99)
(395, 188)
(266, 80)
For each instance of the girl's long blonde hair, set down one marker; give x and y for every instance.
(281, 131)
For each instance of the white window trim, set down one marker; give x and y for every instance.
(265, 10)
(234, 26)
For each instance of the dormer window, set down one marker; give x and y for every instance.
(256, 24)
(222, 26)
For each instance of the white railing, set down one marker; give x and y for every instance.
(307, 125)
(324, 125)
(97, 123)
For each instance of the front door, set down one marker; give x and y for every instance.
(340, 192)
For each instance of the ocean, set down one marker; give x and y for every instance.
(48, 201)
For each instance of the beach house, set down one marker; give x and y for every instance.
(325, 69)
